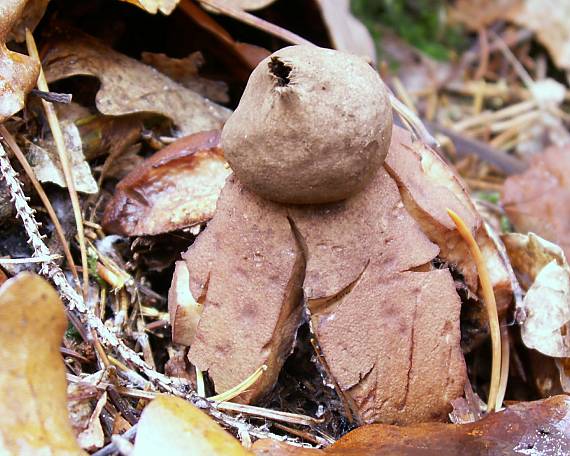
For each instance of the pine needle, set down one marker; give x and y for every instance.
(490, 304)
(63, 158)
(238, 389)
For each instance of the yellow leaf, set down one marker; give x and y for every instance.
(172, 426)
(33, 396)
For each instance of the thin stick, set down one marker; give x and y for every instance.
(28, 260)
(42, 194)
(490, 304)
(256, 22)
(64, 160)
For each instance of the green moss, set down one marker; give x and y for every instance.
(422, 23)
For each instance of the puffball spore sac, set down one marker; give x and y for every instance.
(313, 126)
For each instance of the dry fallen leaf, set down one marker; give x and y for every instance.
(129, 86)
(545, 310)
(18, 73)
(186, 72)
(534, 428)
(45, 161)
(346, 32)
(175, 188)
(539, 199)
(32, 380)
(172, 426)
(92, 437)
(154, 6)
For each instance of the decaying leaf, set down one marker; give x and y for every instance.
(92, 437)
(18, 73)
(546, 327)
(539, 199)
(346, 32)
(32, 380)
(129, 86)
(154, 6)
(384, 318)
(247, 271)
(175, 188)
(172, 426)
(545, 311)
(45, 161)
(186, 72)
(537, 428)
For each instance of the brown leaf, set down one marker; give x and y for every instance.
(129, 86)
(18, 73)
(246, 268)
(541, 427)
(346, 32)
(539, 199)
(32, 381)
(175, 188)
(186, 72)
(154, 6)
(172, 426)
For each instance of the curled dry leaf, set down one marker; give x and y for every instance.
(384, 318)
(18, 73)
(539, 199)
(172, 426)
(541, 427)
(175, 188)
(129, 86)
(44, 160)
(32, 380)
(545, 309)
(154, 6)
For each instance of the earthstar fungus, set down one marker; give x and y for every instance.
(370, 271)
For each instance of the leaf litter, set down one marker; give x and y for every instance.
(318, 320)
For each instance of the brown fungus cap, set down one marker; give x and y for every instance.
(313, 126)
